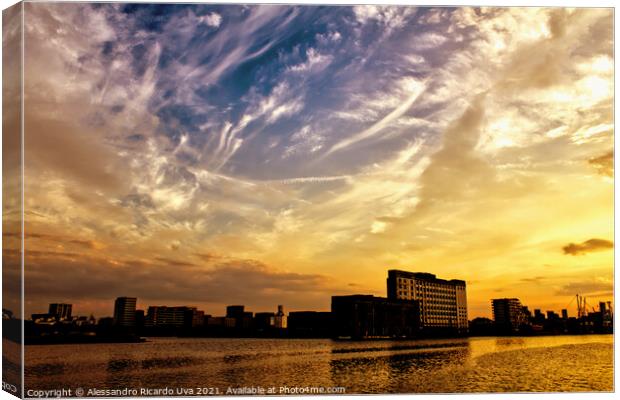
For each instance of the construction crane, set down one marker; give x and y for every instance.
(581, 306)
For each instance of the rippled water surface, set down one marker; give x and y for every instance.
(554, 363)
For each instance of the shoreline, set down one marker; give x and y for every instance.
(58, 340)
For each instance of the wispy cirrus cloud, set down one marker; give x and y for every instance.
(414, 90)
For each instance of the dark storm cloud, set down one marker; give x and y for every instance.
(588, 246)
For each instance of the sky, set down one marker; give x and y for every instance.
(208, 155)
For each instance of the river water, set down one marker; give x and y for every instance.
(490, 364)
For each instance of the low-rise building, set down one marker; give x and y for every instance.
(316, 324)
(367, 316)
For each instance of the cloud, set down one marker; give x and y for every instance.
(143, 200)
(392, 17)
(304, 141)
(413, 87)
(174, 263)
(283, 101)
(200, 137)
(588, 246)
(456, 170)
(208, 257)
(212, 19)
(600, 287)
(535, 279)
(311, 179)
(429, 40)
(315, 62)
(604, 164)
(84, 243)
(90, 164)
(237, 281)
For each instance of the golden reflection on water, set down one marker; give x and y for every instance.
(429, 366)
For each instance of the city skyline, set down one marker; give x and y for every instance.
(258, 155)
(144, 307)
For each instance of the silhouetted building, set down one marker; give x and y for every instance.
(105, 322)
(310, 324)
(60, 311)
(236, 311)
(264, 321)
(443, 303)
(125, 311)
(280, 318)
(243, 319)
(139, 318)
(606, 315)
(223, 322)
(564, 313)
(481, 327)
(539, 317)
(367, 316)
(508, 315)
(197, 318)
(552, 315)
(84, 321)
(177, 317)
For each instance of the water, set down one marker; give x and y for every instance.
(550, 364)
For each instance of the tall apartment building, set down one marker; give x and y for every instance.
(60, 311)
(443, 303)
(125, 311)
(508, 314)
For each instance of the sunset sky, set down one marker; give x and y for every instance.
(261, 155)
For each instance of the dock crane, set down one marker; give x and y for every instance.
(582, 306)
